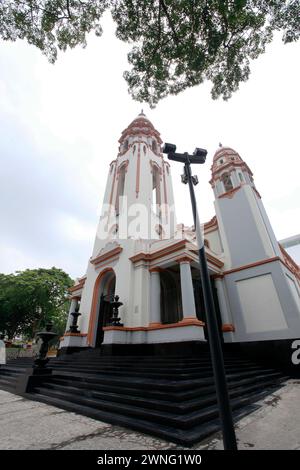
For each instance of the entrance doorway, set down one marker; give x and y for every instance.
(106, 294)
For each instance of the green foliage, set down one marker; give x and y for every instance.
(176, 43)
(31, 298)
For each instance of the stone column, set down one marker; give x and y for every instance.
(74, 303)
(155, 316)
(187, 291)
(223, 303)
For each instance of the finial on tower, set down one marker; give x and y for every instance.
(142, 113)
(220, 145)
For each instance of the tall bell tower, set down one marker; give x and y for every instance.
(137, 213)
(138, 201)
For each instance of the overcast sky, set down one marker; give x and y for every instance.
(60, 126)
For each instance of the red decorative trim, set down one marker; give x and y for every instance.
(211, 226)
(289, 262)
(212, 259)
(159, 253)
(106, 256)
(227, 327)
(184, 259)
(78, 286)
(217, 276)
(141, 125)
(258, 263)
(231, 192)
(156, 269)
(138, 167)
(158, 326)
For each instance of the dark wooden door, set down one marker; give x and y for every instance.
(103, 318)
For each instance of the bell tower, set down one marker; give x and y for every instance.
(245, 229)
(138, 201)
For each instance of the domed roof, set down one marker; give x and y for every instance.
(226, 158)
(140, 126)
(223, 151)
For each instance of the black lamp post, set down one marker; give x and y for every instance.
(199, 156)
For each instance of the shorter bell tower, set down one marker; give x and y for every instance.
(245, 229)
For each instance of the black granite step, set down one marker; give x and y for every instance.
(157, 384)
(172, 397)
(171, 405)
(83, 383)
(185, 437)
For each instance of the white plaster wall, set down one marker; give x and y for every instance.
(295, 292)
(214, 241)
(261, 308)
(265, 231)
(222, 233)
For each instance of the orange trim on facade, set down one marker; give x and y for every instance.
(292, 265)
(252, 265)
(157, 326)
(93, 313)
(107, 256)
(217, 276)
(159, 253)
(156, 269)
(231, 192)
(259, 263)
(78, 286)
(228, 327)
(213, 260)
(217, 169)
(172, 249)
(138, 167)
(211, 224)
(184, 259)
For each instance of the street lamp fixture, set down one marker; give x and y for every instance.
(199, 157)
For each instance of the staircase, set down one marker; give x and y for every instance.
(10, 373)
(169, 397)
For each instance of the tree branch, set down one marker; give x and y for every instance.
(164, 7)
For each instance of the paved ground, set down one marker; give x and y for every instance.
(26, 424)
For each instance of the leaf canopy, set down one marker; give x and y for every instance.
(176, 44)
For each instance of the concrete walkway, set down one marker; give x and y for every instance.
(26, 424)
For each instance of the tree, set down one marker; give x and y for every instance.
(176, 43)
(31, 298)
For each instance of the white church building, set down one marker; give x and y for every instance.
(143, 255)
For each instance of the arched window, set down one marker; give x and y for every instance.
(120, 188)
(226, 179)
(154, 146)
(125, 146)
